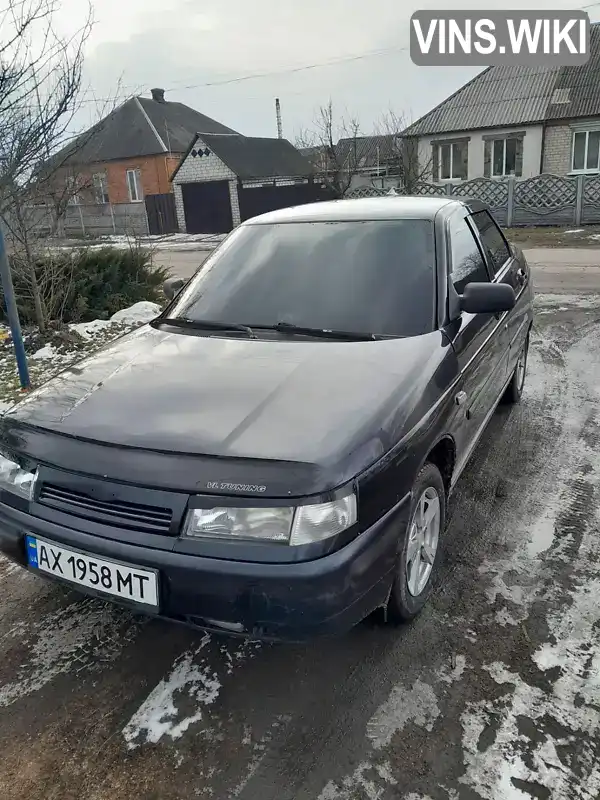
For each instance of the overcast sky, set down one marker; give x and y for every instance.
(179, 45)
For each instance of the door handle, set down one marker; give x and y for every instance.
(461, 398)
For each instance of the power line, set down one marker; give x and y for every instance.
(284, 70)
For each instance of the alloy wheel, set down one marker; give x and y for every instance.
(424, 536)
(521, 368)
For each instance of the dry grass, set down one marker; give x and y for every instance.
(552, 236)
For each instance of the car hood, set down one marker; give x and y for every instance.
(285, 399)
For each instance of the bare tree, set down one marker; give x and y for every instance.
(334, 146)
(40, 83)
(400, 153)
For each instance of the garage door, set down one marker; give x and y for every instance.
(261, 199)
(207, 207)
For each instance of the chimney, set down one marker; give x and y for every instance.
(158, 95)
(278, 116)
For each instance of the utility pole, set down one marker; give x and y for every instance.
(13, 315)
(278, 115)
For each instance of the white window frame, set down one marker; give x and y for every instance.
(74, 199)
(137, 182)
(100, 185)
(504, 140)
(585, 170)
(450, 143)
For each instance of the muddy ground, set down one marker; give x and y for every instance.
(555, 236)
(494, 692)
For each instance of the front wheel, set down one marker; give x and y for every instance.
(420, 548)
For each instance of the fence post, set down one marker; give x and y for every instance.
(13, 315)
(449, 188)
(579, 200)
(81, 218)
(112, 217)
(146, 219)
(510, 201)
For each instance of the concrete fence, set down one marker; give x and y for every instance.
(91, 220)
(542, 200)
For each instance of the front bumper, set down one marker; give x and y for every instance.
(293, 601)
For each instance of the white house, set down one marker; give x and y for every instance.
(516, 120)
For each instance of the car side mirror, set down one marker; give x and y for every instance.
(487, 298)
(172, 287)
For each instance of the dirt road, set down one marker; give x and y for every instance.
(492, 693)
(549, 267)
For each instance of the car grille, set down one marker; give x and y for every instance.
(135, 517)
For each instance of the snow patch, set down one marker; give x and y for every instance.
(9, 567)
(138, 313)
(575, 230)
(259, 751)
(177, 241)
(417, 705)
(567, 301)
(576, 651)
(533, 756)
(366, 778)
(89, 329)
(158, 715)
(504, 618)
(541, 533)
(455, 673)
(85, 635)
(181, 699)
(45, 352)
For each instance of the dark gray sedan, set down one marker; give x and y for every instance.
(273, 455)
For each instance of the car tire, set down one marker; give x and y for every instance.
(514, 390)
(419, 552)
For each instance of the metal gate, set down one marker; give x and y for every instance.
(162, 216)
(261, 199)
(207, 207)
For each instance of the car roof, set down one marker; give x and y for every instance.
(368, 208)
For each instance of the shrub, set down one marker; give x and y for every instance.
(84, 284)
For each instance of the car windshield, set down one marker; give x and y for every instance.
(374, 277)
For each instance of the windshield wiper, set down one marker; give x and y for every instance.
(206, 325)
(321, 333)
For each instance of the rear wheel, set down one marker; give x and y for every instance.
(419, 551)
(514, 390)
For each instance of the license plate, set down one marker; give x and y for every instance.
(109, 577)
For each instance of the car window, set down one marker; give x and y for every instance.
(493, 239)
(467, 264)
(369, 277)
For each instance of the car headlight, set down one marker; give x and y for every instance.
(293, 525)
(15, 479)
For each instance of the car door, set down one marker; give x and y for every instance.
(506, 268)
(476, 339)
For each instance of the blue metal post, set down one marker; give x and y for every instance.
(13, 315)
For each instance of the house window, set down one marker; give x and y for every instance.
(100, 188)
(450, 160)
(73, 198)
(503, 157)
(586, 151)
(134, 185)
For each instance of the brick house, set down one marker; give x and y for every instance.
(516, 120)
(131, 153)
(226, 178)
